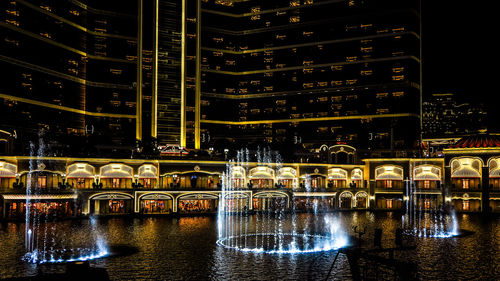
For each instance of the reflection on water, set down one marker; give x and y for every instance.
(185, 248)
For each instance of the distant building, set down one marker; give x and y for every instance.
(444, 116)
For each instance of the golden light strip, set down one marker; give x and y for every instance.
(75, 25)
(62, 75)
(154, 97)
(316, 119)
(183, 75)
(197, 100)
(236, 73)
(304, 91)
(65, 108)
(68, 48)
(308, 44)
(269, 10)
(138, 120)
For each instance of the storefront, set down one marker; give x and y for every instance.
(237, 201)
(467, 202)
(238, 177)
(313, 181)
(427, 177)
(345, 200)
(42, 179)
(494, 174)
(361, 200)
(147, 176)
(357, 178)
(261, 177)
(287, 178)
(156, 203)
(466, 173)
(111, 204)
(116, 176)
(337, 178)
(389, 201)
(270, 201)
(314, 201)
(80, 175)
(191, 180)
(198, 203)
(389, 177)
(8, 173)
(57, 206)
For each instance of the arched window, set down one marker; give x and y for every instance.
(389, 176)
(466, 173)
(427, 176)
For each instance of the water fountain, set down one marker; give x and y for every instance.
(275, 230)
(43, 242)
(424, 216)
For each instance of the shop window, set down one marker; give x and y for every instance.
(42, 181)
(146, 183)
(465, 205)
(465, 184)
(388, 184)
(389, 203)
(80, 183)
(427, 204)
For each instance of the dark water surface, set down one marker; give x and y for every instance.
(185, 249)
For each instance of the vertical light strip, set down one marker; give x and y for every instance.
(154, 97)
(197, 102)
(183, 74)
(138, 124)
(421, 71)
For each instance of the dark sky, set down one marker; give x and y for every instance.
(457, 53)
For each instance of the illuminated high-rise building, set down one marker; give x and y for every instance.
(70, 68)
(305, 73)
(217, 74)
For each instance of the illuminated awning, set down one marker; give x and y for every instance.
(388, 172)
(494, 165)
(261, 173)
(198, 196)
(357, 174)
(237, 172)
(41, 197)
(337, 174)
(116, 171)
(427, 172)
(314, 194)
(466, 168)
(147, 171)
(80, 170)
(7, 170)
(112, 196)
(287, 173)
(156, 196)
(269, 195)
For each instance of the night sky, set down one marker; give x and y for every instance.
(455, 55)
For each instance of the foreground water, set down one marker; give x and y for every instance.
(185, 248)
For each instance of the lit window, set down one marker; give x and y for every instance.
(389, 203)
(465, 205)
(465, 184)
(42, 182)
(388, 184)
(115, 183)
(427, 184)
